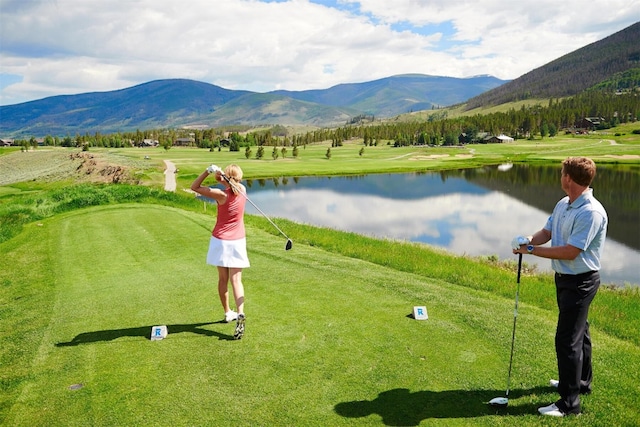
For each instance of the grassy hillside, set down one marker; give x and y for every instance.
(268, 108)
(459, 110)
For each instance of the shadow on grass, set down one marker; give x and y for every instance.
(142, 331)
(400, 407)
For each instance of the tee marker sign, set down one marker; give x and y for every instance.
(420, 313)
(158, 333)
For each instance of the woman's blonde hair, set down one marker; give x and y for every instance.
(234, 173)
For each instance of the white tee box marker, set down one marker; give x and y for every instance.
(420, 313)
(158, 333)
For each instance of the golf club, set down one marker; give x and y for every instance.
(502, 402)
(289, 243)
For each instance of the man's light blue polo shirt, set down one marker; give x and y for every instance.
(582, 224)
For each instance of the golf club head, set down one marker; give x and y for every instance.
(288, 245)
(499, 402)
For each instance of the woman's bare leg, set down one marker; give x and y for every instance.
(223, 288)
(238, 288)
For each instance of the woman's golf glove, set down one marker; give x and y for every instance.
(519, 241)
(213, 169)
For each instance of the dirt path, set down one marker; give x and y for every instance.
(169, 176)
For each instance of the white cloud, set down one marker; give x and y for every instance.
(75, 46)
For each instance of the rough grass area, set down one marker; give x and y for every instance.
(58, 164)
(20, 208)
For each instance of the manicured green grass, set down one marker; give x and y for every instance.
(328, 338)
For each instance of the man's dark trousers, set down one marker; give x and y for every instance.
(573, 342)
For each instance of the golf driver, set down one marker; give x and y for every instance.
(502, 402)
(289, 243)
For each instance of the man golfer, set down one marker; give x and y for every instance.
(577, 229)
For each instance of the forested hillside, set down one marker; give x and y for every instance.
(572, 73)
(537, 121)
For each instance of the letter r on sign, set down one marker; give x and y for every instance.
(420, 313)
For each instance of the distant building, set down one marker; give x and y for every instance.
(150, 143)
(493, 139)
(463, 138)
(6, 142)
(184, 142)
(589, 123)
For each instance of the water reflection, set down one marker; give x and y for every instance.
(466, 212)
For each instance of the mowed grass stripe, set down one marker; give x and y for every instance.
(328, 338)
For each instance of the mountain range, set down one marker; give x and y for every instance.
(181, 102)
(186, 103)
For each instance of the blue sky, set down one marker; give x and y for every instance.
(61, 47)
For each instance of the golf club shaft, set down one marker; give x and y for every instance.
(254, 205)
(515, 317)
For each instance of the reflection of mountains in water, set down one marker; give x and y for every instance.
(537, 186)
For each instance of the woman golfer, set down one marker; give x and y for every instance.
(227, 247)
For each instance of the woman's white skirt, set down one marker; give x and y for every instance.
(228, 253)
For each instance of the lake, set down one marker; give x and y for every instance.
(471, 211)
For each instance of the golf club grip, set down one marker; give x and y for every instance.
(519, 266)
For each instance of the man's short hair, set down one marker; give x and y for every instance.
(581, 170)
